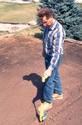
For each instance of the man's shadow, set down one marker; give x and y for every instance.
(36, 81)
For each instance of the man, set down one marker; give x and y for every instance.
(53, 40)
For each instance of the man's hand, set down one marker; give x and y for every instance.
(46, 74)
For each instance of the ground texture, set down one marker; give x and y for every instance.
(21, 67)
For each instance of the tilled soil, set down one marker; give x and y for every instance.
(21, 68)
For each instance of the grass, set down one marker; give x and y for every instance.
(33, 31)
(17, 13)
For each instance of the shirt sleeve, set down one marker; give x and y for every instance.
(58, 39)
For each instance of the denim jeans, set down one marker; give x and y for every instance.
(53, 83)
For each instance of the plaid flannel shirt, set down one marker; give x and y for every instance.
(53, 40)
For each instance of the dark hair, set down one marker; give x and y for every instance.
(45, 12)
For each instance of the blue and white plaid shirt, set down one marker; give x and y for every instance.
(53, 40)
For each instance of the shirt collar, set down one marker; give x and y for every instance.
(54, 25)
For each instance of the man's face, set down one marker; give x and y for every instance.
(47, 22)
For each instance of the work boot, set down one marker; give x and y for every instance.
(57, 96)
(45, 106)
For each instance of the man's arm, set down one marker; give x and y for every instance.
(57, 47)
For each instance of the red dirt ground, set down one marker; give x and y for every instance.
(21, 67)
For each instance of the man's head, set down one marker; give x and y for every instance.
(46, 16)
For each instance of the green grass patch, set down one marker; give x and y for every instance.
(17, 13)
(33, 31)
(3, 33)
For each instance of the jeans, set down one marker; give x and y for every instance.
(53, 83)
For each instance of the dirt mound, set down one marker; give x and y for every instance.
(21, 68)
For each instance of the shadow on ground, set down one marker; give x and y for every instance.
(36, 81)
(22, 55)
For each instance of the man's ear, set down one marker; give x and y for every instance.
(50, 20)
